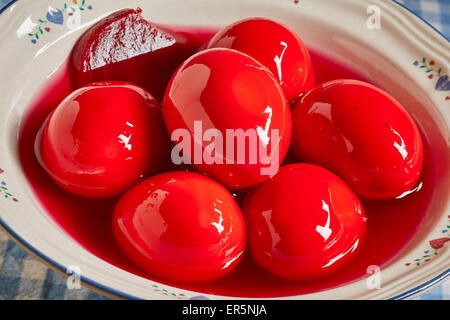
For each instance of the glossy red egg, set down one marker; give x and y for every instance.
(228, 116)
(304, 223)
(102, 139)
(181, 226)
(124, 46)
(276, 47)
(361, 133)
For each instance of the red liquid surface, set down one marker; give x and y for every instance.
(391, 224)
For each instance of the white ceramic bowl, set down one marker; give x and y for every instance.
(391, 56)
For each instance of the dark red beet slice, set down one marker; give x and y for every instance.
(124, 46)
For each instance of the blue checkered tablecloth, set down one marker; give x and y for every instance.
(435, 12)
(23, 277)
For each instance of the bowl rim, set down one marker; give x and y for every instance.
(114, 293)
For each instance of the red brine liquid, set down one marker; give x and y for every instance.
(391, 224)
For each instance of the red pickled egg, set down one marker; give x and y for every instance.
(304, 223)
(181, 226)
(362, 134)
(102, 139)
(229, 117)
(276, 47)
